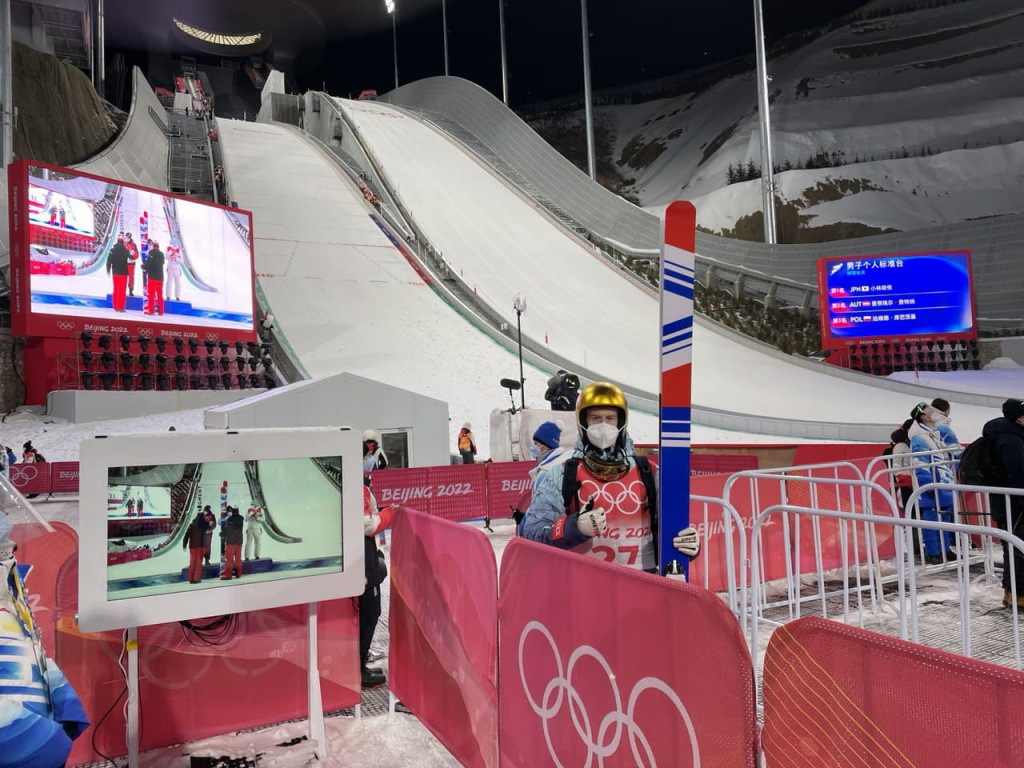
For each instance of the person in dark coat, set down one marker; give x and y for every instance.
(233, 535)
(211, 522)
(194, 542)
(154, 269)
(1008, 458)
(117, 267)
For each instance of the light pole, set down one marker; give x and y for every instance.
(392, 12)
(767, 170)
(504, 60)
(444, 23)
(591, 164)
(6, 88)
(519, 305)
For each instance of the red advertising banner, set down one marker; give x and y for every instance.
(601, 660)
(839, 696)
(189, 690)
(710, 570)
(507, 483)
(31, 478)
(721, 464)
(64, 477)
(451, 492)
(443, 623)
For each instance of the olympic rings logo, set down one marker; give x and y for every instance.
(27, 473)
(616, 495)
(64, 325)
(561, 687)
(145, 331)
(212, 336)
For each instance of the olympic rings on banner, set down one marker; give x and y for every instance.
(561, 688)
(64, 325)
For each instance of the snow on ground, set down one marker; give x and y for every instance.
(388, 741)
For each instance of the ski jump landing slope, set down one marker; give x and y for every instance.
(345, 297)
(590, 314)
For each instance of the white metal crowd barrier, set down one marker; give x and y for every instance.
(735, 537)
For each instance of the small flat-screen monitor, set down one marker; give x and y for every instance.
(84, 250)
(896, 297)
(178, 526)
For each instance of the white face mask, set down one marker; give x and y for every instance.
(535, 451)
(602, 435)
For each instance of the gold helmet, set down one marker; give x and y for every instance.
(601, 394)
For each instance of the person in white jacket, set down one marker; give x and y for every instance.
(253, 530)
(546, 449)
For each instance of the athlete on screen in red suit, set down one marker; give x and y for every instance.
(133, 256)
(117, 268)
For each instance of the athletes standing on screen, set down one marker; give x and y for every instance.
(154, 268)
(194, 542)
(133, 256)
(117, 268)
(253, 530)
(233, 555)
(173, 273)
(211, 524)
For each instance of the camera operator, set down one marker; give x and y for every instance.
(563, 389)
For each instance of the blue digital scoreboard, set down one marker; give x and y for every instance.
(926, 295)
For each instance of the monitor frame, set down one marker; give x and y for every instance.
(97, 612)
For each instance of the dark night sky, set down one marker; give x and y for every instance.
(630, 42)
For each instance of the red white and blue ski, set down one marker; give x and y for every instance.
(677, 273)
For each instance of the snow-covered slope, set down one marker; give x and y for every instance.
(921, 112)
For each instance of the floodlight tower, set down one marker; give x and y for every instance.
(444, 23)
(587, 98)
(504, 59)
(763, 112)
(392, 12)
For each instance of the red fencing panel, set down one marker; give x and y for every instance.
(455, 492)
(31, 478)
(64, 477)
(827, 453)
(443, 623)
(507, 482)
(597, 659)
(256, 676)
(721, 464)
(845, 697)
(712, 572)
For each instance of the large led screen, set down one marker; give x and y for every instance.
(98, 255)
(284, 515)
(880, 297)
(182, 525)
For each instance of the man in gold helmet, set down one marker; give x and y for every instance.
(603, 501)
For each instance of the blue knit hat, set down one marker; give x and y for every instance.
(549, 434)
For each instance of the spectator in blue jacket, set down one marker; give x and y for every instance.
(935, 468)
(943, 424)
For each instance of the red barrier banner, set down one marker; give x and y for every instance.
(721, 464)
(443, 621)
(456, 492)
(64, 477)
(31, 478)
(844, 697)
(507, 483)
(858, 538)
(635, 669)
(255, 676)
(710, 570)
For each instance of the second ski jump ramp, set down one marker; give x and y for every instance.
(503, 245)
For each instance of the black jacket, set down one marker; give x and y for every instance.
(1008, 457)
(154, 265)
(233, 527)
(117, 261)
(196, 533)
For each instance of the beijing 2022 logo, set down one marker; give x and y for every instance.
(608, 739)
